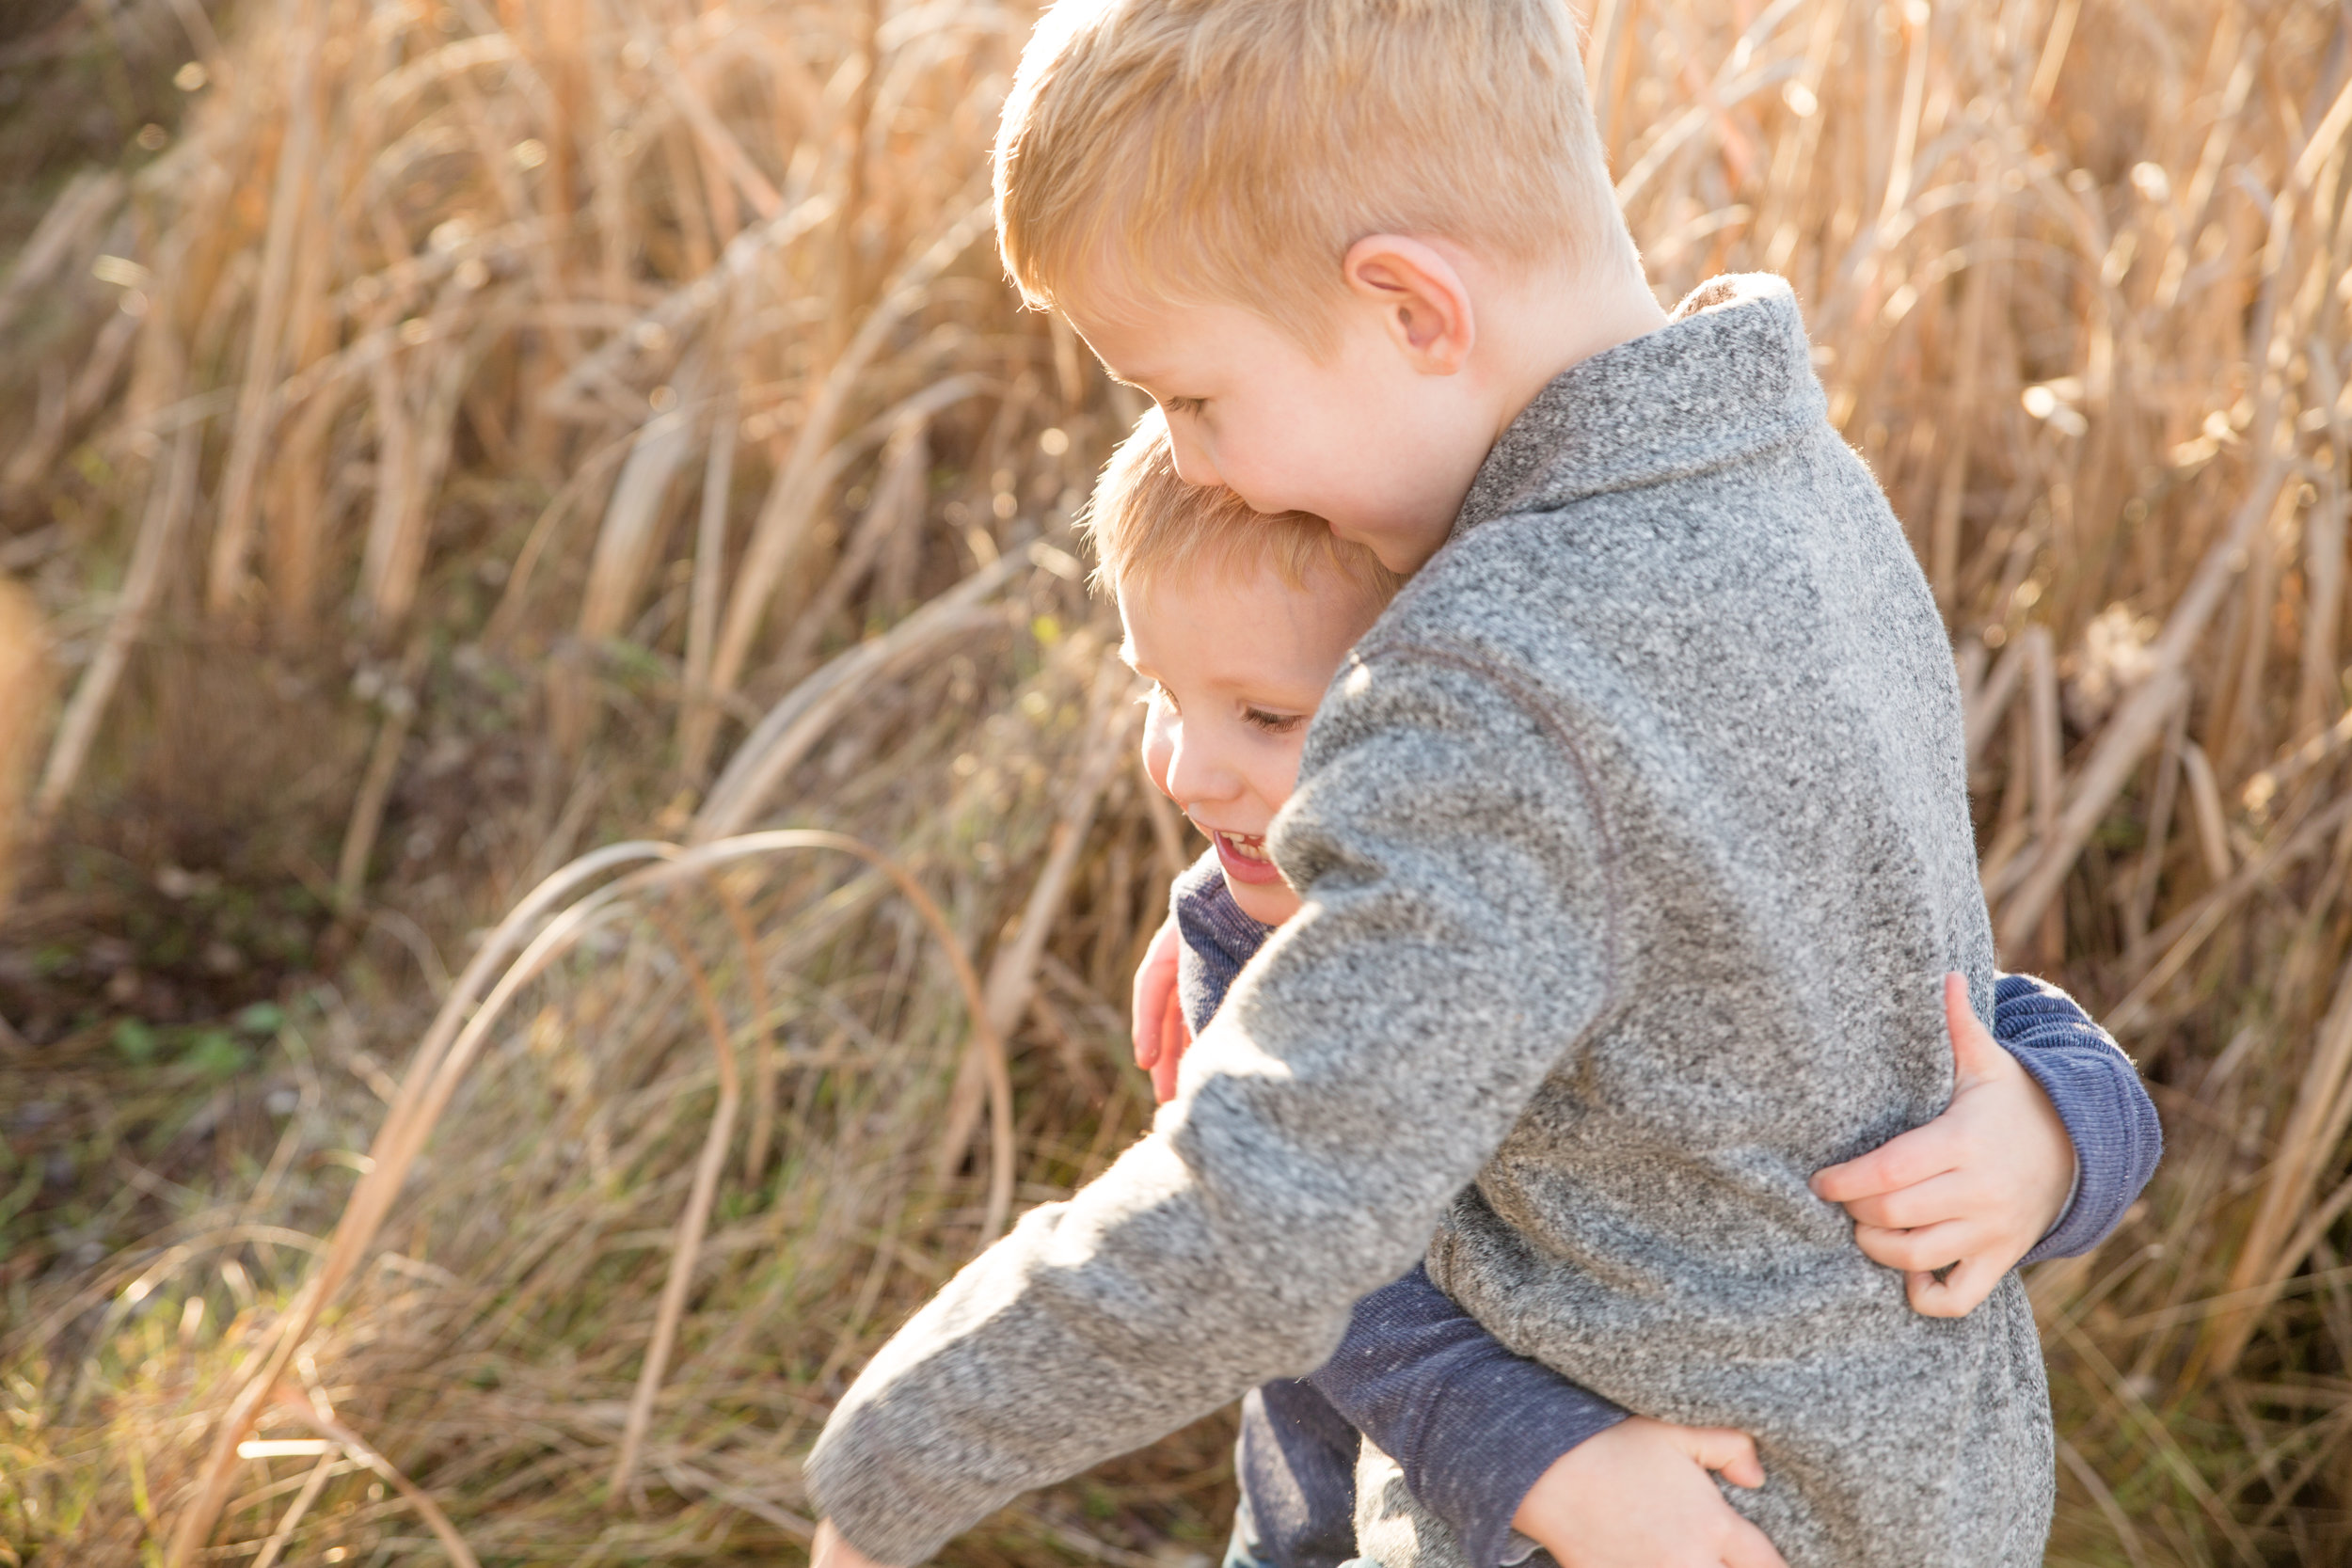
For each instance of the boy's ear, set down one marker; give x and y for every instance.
(1422, 298)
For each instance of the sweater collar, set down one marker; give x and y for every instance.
(1730, 374)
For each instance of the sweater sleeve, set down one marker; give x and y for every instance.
(1455, 949)
(2098, 1094)
(1471, 1425)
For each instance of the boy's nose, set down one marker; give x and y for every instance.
(1193, 462)
(1197, 776)
(1159, 748)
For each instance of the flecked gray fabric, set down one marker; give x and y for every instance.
(1635, 842)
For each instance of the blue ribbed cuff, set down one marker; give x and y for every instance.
(2097, 1093)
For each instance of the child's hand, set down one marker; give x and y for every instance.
(1970, 1192)
(1639, 1495)
(830, 1551)
(1161, 1033)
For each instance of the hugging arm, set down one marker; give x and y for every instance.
(1458, 895)
(2045, 1145)
(1472, 1426)
(2099, 1096)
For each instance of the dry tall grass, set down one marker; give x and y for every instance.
(619, 396)
(24, 697)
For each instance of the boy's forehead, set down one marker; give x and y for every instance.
(1150, 342)
(1136, 345)
(1221, 610)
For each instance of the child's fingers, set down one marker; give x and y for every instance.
(1175, 1039)
(1728, 1452)
(1948, 1196)
(1154, 990)
(1176, 1030)
(1150, 1016)
(1164, 1077)
(1934, 1246)
(1958, 1293)
(1975, 1053)
(1918, 1155)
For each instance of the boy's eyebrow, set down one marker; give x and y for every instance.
(1139, 376)
(1141, 383)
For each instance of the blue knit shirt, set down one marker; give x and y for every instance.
(1473, 1426)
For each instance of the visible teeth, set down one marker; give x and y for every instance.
(1249, 847)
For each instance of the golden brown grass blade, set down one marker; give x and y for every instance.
(232, 536)
(171, 497)
(2306, 1145)
(710, 556)
(687, 1244)
(24, 688)
(624, 552)
(1012, 976)
(312, 1485)
(2204, 797)
(375, 785)
(449, 1051)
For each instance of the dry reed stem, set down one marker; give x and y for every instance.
(296, 159)
(312, 1485)
(692, 1224)
(710, 553)
(2142, 716)
(375, 785)
(170, 498)
(2309, 1141)
(88, 198)
(25, 683)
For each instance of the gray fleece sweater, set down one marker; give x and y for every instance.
(1635, 841)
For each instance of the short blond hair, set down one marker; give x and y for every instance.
(1146, 524)
(1232, 150)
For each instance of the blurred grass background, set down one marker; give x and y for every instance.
(443, 441)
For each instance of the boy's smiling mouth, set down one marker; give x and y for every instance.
(1243, 855)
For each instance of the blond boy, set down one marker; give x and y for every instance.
(1634, 842)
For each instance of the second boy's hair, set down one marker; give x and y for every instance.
(1145, 522)
(1232, 150)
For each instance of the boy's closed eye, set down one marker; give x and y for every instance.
(1270, 722)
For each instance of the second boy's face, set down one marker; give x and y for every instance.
(1237, 665)
(1359, 438)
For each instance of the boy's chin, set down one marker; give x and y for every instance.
(1267, 903)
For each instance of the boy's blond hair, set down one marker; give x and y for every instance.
(1145, 523)
(1232, 150)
